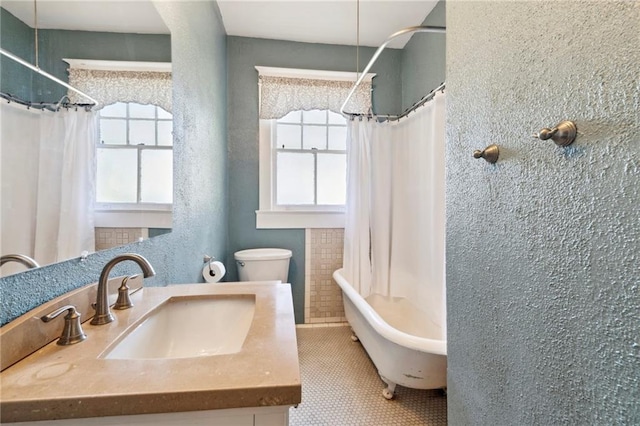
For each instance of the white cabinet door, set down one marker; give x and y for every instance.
(253, 416)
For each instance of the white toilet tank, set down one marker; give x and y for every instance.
(263, 264)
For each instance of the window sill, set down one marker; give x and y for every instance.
(295, 219)
(133, 218)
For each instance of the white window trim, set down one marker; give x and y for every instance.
(133, 219)
(313, 74)
(101, 65)
(269, 216)
(132, 215)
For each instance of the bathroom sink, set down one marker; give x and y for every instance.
(188, 326)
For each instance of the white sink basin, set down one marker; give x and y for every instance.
(188, 326)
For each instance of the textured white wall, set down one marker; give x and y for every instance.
(543, 248)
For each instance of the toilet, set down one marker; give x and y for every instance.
(263, 264)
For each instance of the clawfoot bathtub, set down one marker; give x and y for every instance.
(406, 349)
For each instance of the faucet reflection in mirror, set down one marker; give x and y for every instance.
(103, 314)
(19, 258)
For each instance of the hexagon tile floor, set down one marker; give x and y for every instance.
(341, 387)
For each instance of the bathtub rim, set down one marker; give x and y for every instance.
(423, 344)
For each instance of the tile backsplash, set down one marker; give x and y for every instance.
(113, 237)
(324, 255)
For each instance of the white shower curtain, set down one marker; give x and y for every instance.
(48, 183)
(395, 227)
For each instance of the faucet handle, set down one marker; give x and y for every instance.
(72, 331)
(124, 301)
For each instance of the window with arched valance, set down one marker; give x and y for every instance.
(134, 148)
(302, 140)
(283, 90)
(147, 83)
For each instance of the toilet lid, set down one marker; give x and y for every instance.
(263, 254)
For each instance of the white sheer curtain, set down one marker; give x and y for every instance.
(395, 229)
(19, 154)
(48, 183)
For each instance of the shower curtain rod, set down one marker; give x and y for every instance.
(374, 58)
(426, 98)
(45, 74)
(51, 106)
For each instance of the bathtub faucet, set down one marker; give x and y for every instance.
(103, 314)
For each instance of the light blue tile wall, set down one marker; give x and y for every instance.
(543, 248)
(200, 185)
(244, 54)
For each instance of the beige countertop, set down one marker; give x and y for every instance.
(59, 382)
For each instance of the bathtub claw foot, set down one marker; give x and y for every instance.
(354, 338)
(390, 391)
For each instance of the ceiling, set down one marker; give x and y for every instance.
(128, 16)
(313, 21)
(324, 21)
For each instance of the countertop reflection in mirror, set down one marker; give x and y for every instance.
(125, 192)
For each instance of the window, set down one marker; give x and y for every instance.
(134, 167)
(135, 157)
(310, 160)
(303, 146)
(303, 166)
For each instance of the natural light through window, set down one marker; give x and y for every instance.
(135, 155)
(303, 146)
(309, 159)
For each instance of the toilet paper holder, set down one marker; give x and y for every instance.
(212, 271)
(209, 259)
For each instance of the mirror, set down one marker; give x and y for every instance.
(97, 30)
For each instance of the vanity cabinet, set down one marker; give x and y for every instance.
(77, 385)
(255, 416)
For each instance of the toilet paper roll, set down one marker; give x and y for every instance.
(213, 272)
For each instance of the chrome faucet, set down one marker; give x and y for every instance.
(103, 314)
(20, 258)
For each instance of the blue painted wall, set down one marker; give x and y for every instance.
(57, 44)
(423, 59)
(543, 248)
(17, 38)
(53, 45)
(200, 166)
(243, 55)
